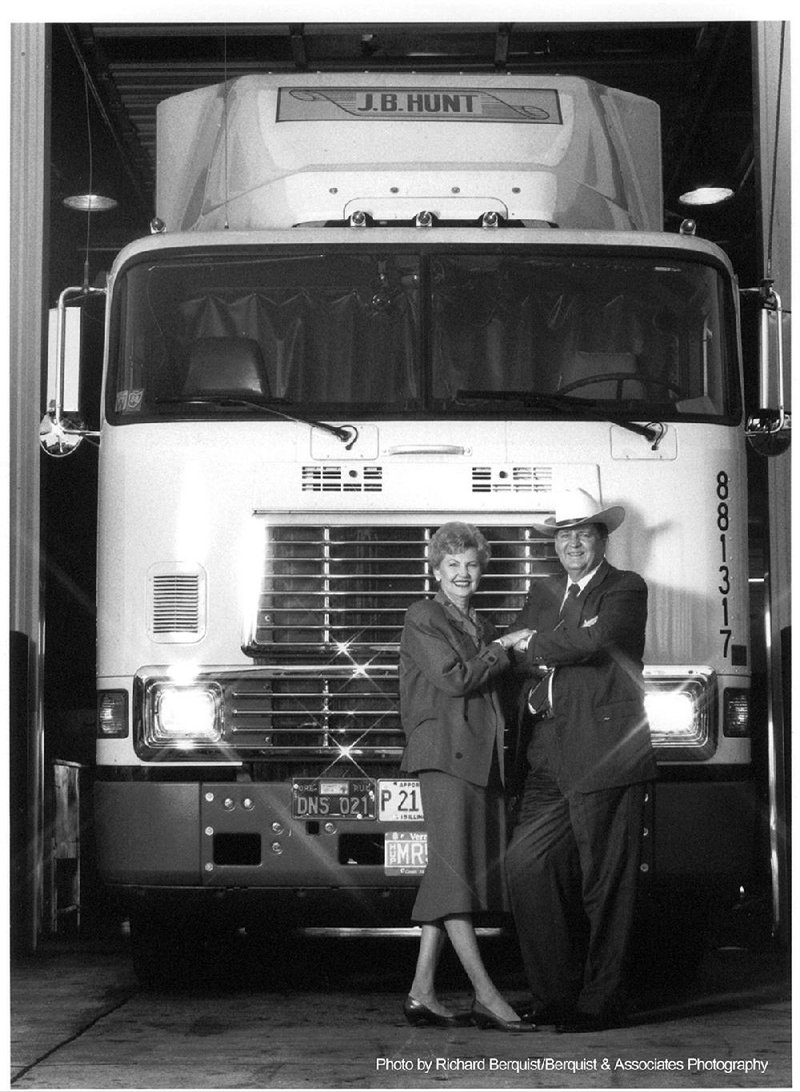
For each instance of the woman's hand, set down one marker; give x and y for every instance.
(518, 639)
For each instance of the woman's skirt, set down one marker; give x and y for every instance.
(466, 846)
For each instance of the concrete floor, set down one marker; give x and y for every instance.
(327, 1014)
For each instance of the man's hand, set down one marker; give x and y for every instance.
(517, 640)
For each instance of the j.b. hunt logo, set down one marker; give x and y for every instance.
(533, 105)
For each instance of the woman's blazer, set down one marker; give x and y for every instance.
(450, 711)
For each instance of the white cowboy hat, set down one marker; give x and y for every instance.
(577, 508)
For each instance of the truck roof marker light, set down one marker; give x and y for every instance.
(358, 219)
(490, 220)
(424, 219)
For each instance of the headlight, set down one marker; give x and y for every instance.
(183, 717)
(681, 716)
(672, 716)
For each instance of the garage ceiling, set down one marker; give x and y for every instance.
(699, 73)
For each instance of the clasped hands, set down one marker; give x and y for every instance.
(517, 640)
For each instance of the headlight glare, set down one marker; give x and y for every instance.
(671, 715)
(681, 716)
(184, 716)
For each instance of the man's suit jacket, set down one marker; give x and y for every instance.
(599, 736)
(449, 708)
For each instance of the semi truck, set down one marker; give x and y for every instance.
(371, 303)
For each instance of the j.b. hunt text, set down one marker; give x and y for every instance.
(418, 102)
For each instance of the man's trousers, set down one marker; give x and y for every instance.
(572, 868)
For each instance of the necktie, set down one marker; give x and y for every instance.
(571, 608)
(540, 697)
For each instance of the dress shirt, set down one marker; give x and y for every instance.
(584, 580)
(548, 709)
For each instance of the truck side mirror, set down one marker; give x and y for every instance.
(61, 430)
(768, 429)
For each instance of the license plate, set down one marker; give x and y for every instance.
(405, 852)
(399, 802)
(314, 798)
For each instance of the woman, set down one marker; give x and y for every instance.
(451, 715)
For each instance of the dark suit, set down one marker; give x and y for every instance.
(447, 701)
(573, 859)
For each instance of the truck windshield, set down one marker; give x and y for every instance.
(416, 331)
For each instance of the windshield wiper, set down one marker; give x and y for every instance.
(348, 434)
(653, 432)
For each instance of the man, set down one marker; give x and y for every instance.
(573, 859)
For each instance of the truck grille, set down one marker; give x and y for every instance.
(316, 711)
(330, 612)
(327, 587)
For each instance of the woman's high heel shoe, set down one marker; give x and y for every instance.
(485, 1018)
(419, 1015)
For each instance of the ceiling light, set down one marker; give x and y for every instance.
(706, 195)
(90, 202)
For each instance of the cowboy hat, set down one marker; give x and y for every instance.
(577, 508)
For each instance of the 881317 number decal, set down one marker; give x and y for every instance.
(724, 587)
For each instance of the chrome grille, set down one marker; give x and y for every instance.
(330, 612)
(331, 587)
(316, 711)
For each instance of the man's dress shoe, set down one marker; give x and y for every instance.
(546, 1014)
(588, 1021)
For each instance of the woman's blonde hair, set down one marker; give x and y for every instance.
(455, 538)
